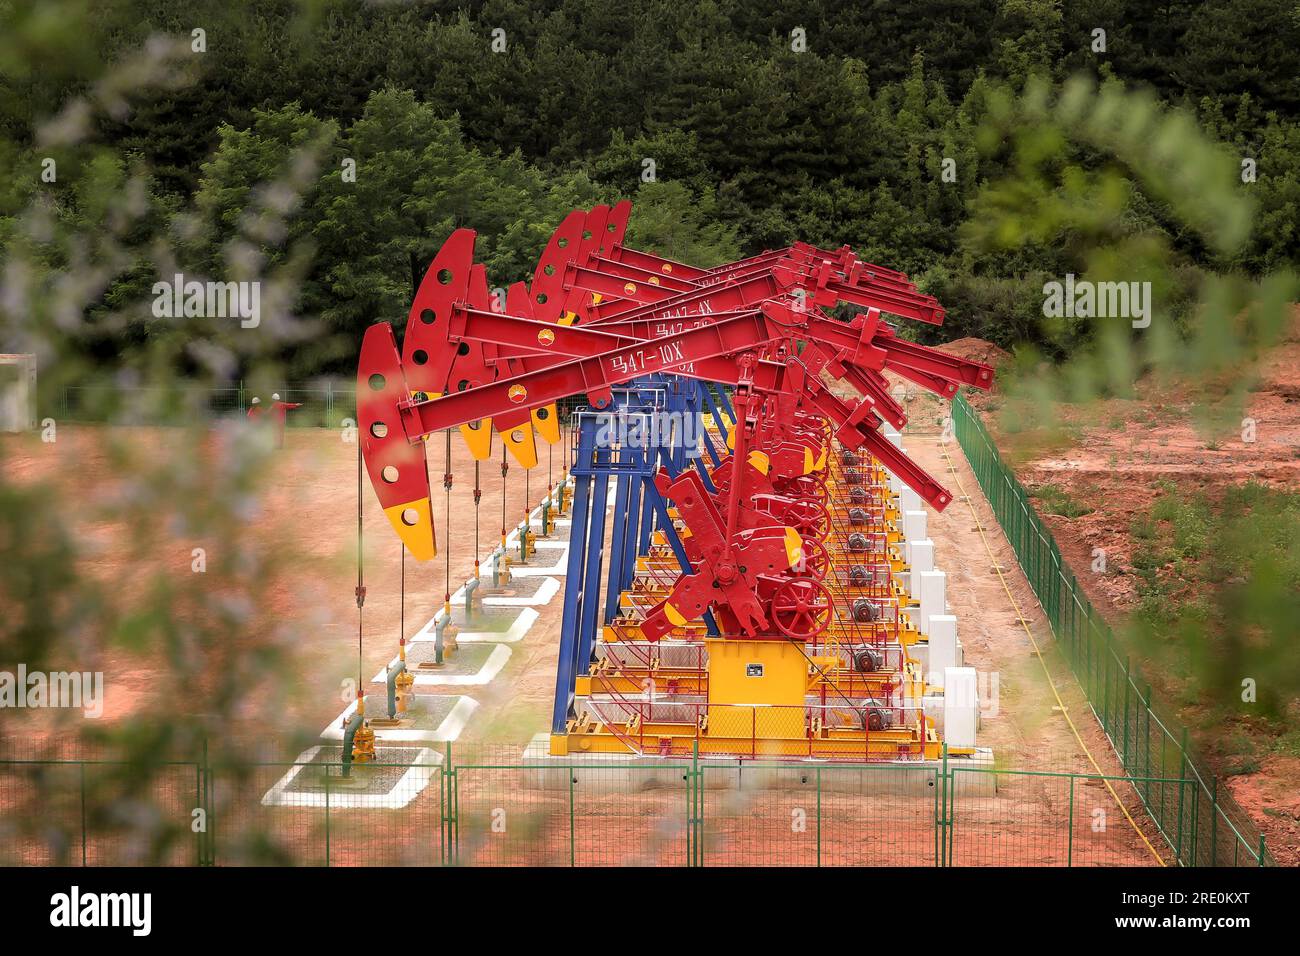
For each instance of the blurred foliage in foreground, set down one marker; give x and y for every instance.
(1219, 599)
(226, 165)
(98, 528)
(754, 144)
(1209, 322)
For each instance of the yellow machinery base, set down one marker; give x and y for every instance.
(756, 707)
(680, 740)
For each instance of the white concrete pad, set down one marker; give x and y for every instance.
(560, 567)
(545, 591)
(913, 530)
(960, 706)
(943, 647)
(513, 635)
(932, 598)
(922, 561)
(909, 500)
(496, 660)
(449, 729)
(406, 789)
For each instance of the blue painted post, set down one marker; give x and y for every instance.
(591, 576)
(711, 405)
(635, 508)
(638, 511)
(618, 557)
(646, 525)
(627, 543)
(567, 663)
(724, 401)
(709, 486)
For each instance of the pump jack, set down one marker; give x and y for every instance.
(599, 315)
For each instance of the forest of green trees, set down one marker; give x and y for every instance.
(765, 123)
(326, 148)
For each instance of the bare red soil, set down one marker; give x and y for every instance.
(1109, 457)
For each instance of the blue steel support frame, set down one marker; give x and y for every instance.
(595, 553)
(622, 556)
(701, 394)
(638, 510)
(566, 670)
(723, 400)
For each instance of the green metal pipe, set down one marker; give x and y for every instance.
(349, 732)
(392, 688)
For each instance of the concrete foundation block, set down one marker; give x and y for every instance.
(932, 598)
(961, 706)
(909, 500)
(933, 704)
(943, 647)
(922, 561)
(618, 773)
(599, 772)
(913, 530)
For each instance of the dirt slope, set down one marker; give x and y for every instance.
(1118, 452)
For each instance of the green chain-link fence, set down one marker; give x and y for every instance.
(322, 405)
(490, 807)
(1205, 827)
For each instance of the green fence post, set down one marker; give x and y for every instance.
(442, 809)
(938, 789)
(455, 812)
(1087, 665)
(1146, 772)
(819, 816)
(1105, 697)
(690, 815)
(1076, 638)
(1069, 853)
(1182, 786)
(328, 777)
(695, 800)
(699, 805)
(1262, 852)
(1079, 632)
(1194, 828)
(945, 819)
(449, 801)
(82, 768)
(207, 837)
(1052, 607)
(1128, 687)
(198, 803)
(573, 838)
(1214, 821)
(203, 852)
